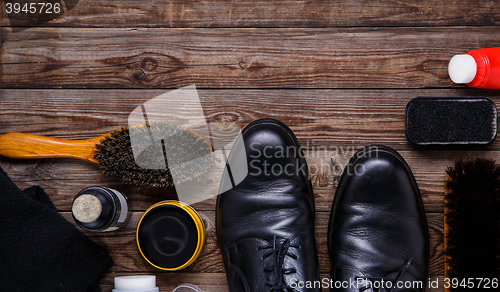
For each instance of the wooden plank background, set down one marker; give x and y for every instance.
(385, 57)
(274, 13)
(339, 73)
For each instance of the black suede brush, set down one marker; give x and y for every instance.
(472, 225)
(451, 121)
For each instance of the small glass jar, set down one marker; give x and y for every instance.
(100, 209)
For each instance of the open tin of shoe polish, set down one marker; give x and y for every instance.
(100, 209)
(170, 235)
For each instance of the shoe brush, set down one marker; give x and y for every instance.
(472, 224)
(451, 121)
(114, 155)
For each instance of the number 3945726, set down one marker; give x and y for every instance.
(41, 8)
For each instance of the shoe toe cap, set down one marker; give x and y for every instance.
(377, 221)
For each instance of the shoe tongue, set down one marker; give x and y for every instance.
(277, 242)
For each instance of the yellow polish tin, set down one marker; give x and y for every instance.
(170, 235)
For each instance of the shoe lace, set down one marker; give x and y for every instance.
(386, 287)
(279, 251)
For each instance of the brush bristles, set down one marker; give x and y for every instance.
(115, 157)
(472, 201)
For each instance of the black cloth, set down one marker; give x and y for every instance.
(42, 251)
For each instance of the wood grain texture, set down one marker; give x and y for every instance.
(318, 117)
(122, 247)
(331, 125)
(63, 179)
(29, 146)
(236, 58)
(339, 73)
(346, 119)
(224, 13)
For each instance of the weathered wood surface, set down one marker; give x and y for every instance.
(347, 119)
(122, 246)
(223, 13)
(318, 117)
(381, 57)
(330, 124)
(64, 179)
(339, 73)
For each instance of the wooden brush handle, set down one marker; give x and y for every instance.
(27, 146)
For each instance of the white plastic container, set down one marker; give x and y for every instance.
(187, 288)
(136, 284)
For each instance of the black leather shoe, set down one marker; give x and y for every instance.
(265, 220)
(377, 235)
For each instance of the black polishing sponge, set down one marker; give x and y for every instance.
(451, 120)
